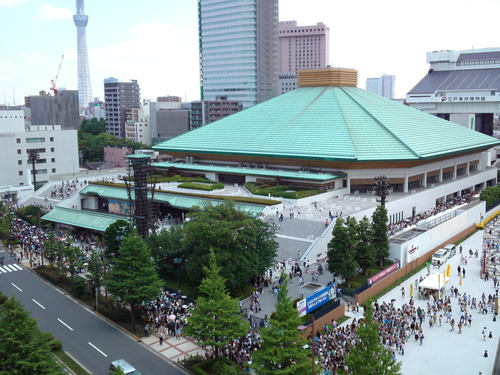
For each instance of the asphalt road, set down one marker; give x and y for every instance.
(90, 339)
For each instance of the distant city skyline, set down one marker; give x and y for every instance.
(156, 42)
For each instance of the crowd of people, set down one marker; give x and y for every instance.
(401, 225)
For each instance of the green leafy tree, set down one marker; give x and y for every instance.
(23, 348)
(6, 217)
(369, 355)
(282, 351)
(165, 246)
(53, 247)
(244, 246)
(365, 254)
(96, 268)
(132, 277)
(93, 126)
(342, 249)
(380, 237)
(217, 319)
(114, 234)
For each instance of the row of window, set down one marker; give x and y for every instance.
(35, 140)
(39, 150)
(300, 30)
(39, 161)
(38, 171)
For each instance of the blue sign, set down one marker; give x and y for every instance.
(305, 306)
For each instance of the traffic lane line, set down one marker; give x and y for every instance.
(64, 324)
(15, 286)
(96, 348)
(38, 303)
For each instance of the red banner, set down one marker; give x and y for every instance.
(384, 273)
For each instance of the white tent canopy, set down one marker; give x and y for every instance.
(435, 281)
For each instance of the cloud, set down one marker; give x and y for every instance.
(4, 3)
(162, 57)
(50, 12)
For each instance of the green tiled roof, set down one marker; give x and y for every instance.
(82, 218)
(175, 200)
(251, 171)
(331, 123)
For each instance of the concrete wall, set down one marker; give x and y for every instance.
(407, 268)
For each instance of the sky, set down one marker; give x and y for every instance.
(156, 41)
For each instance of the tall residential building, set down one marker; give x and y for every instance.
(119, 96)
(61, 109)
(238, 42)
(84, 87)
(383, 86)
(303, 47)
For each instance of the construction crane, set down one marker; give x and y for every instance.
(53, 82)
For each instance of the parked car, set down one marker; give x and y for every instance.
(440, 257)
(452, 249)
(126, 367)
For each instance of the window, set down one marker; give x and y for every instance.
(19, 152)
(20, 173)
(52, 149)
(18, 140)
(52, 139)
(53, 170)
(35, 140)
(53, 160)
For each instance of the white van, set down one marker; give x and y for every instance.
(126, 367)
(452, 249)
(440, 257)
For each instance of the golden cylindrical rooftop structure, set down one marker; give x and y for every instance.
(328, 77)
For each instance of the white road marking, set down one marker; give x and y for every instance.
(96, 348)
(15, 286)
(5, 269)
(2, 271)
(10, 268)
(64, 324)
(17, 266)
(38, 304)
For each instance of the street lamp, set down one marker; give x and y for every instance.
(178, 261)
(33, 156)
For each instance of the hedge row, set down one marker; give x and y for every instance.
(192, 185)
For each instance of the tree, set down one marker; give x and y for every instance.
(114, 234)
(365, 254)
(380, 237)
(243, 245)
(53, 247)
(93, 126)
(133, 278)
(95, 268)
(282, 351)
(23, 349)
(369, 355)
(165, 246)
(342, 250)
(217, 319)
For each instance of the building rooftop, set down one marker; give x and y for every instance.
(334, 123)
(458, 80)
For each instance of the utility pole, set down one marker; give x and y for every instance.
(33, 156)
(382, 188)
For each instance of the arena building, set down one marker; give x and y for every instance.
(330, 135)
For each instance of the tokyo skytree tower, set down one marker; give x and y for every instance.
(84, 87)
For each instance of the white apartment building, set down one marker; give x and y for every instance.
(57, 149)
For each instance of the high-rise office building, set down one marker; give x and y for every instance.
(383, 86)
(238, 42)
(119, 97)
(84, 87)
(303, 47)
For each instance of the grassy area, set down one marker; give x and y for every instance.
(69, 363)
(284, 191)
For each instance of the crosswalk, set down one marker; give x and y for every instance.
(10, 268)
